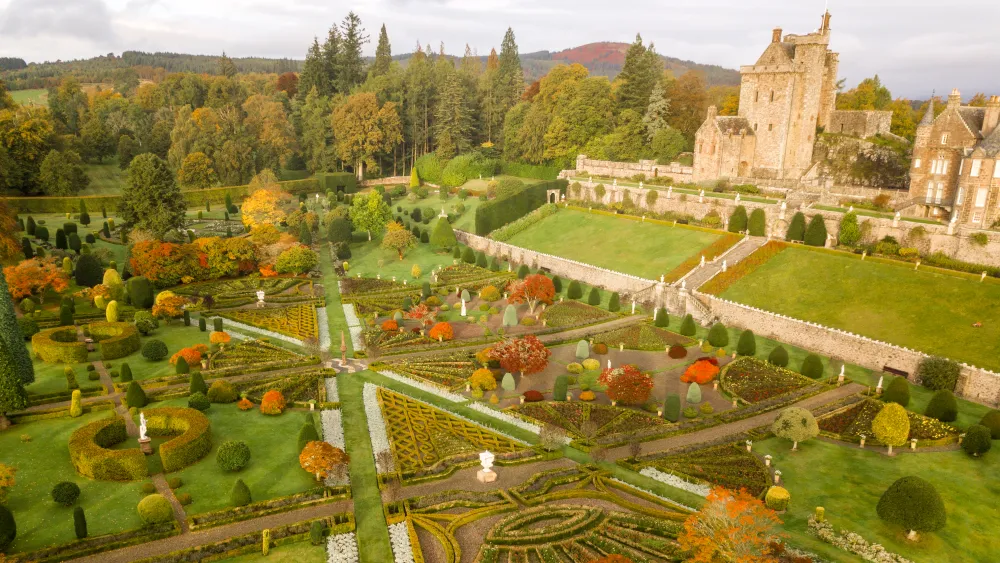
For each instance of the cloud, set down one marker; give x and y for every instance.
(60, 19)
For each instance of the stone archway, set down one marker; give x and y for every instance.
(552, 196)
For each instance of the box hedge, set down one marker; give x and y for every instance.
(337, 181)
(116, 340)
(89, 453)
(195, 438)
(492, 215)
(59, 346)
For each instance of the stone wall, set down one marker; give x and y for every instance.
(975, 384)
(863, 124)
(387, 181)
(674, 170)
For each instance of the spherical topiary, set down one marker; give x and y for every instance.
(898, 391)
(574, 368)
(66, 493)
(778, 357)
(812, 367)
(777, 498)
(154, 350)
(718, 336)
(914, 504)
(990, 420)
(240, 495)
(222, 391)
(533, 396)
(677, 352)
(977, 441)
(233, 455)
(199, 402)
(938, 373)
(600, 348)
(8, 528)
(155, 509)
(944, 407)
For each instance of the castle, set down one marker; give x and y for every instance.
(955, 171)
(789, 93)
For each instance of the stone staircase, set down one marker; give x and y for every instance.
(744, 248)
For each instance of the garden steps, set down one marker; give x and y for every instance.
(720, 432)
(160, 482)
(745, 248)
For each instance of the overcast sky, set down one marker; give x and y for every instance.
(915, 46)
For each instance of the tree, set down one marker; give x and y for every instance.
(747, 344)
(914, 504)
(364, 129)
(850, 232)
(778, 356)
(891, 426)
(718, 336)
(89, 271)
(738, 220)
(795, 424)
(240, 495)
(288, 82)
(305, 234)
(510, 316)
(62, 174)
(527, 355)
(320, 458)
(655, 118)
(509, 76)
(370, 213)
(197, 171)
(532, 289)
(135, 396)
(934, 373)
(667, 144)
(398, 239)
(688, 103)
(96, 143)
(349, 64)
(263, 207)
(758, 223)
(627, 385)
(730, 526)
(11, 334)
(383, 55)
(812, 367)
(898, 391)
(672, 407)
(797, 228)
(977, 440)
(639, 76)
(35, 277)
(944, 407)
(688, 328)
(151, 200)
(816, 232)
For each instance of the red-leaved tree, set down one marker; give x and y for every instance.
(532, 290)
(627, 385)
(527, 355)
(729, 527)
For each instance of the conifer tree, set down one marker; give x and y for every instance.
(383, 54)
(350, 66)
(657, 111)
(639, 75)
(10, 333)
(13, 397)
(509, 76)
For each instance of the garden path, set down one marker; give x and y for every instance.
(738, 427)
(164, 489)
(212, 535)
(465, 479)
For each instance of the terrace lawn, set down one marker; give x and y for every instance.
(642, 249)
(299, 552)
(924, 310)
(848, 482)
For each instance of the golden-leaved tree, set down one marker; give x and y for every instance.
(363, 129)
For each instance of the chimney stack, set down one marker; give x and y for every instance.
(712, 112)
(776, 35)
(992, 117)
(955, 99)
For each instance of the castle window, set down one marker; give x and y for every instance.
(944, 139)
(770, 127)
(981, 197)
(916, 163)
(756, 96)
(944, 167)
(977, 164)
(930, 192)
(977, 217)
(754, 126)
(772, 95)
(960, 196)
(940, 193)
(996, 168)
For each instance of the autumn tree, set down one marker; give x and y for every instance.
(267, 123)
(729, 527)
(197, 171)
(891, 425)
(795, 424)
(288, 83)
(263, 206)
(151, 199)
(688, 103)
(35, 277)
(527, 355)
(370, 213)
(398, 239)
(321, 458)
(62, 174)
(364, 129)
(532, 289)
(627, 384)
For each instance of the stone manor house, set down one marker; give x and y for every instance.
(784, 97)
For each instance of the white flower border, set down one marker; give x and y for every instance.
(376, 426)
(651, 493)
(354, 326)
(675, 481)
(323, 323)
(263, 332)
(333, 427)
(399, 537)
(342, 548)
(332, 393)
(432, 389)
(853, 543)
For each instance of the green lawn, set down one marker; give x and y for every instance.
(642, 249)
(37, 96)
(927, 311)
(465, 222)
(300, 552)
(44, 461)
(848, 482)
(175, 336)
(105, 179)
(274, 469)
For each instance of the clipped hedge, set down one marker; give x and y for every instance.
(88, 450)
(492, 215)
(116, 340)
(59, 346)
(194, 442)
(537, 172)
(333, 181)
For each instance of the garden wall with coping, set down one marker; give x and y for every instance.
(674, 170)
(974, 384)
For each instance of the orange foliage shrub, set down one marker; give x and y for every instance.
(245, 404)
(268, 271)
(273, 402)
(390, 325)
(729, 527)
(219, 337)
(192, 354)
(701, 372)
(442, 331)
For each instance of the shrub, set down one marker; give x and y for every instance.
(990, 420)
(898, 391)
(155, 509)
(468, 255)
(79, 523)
(140, 292)
(510, 316)
(747, 344)
(913, 504)
(718, 336)
(778, 357)
(532, 396)
(184, 499)
(587, 396)
(850, 231)
(483, 380)
(614, 304)
(795, 424)
(591, 364)
(738, 220)
(693, 394)
(66, 493)
(240, 495)
(574, 291)
(559, 388)
(75, 407)
(528, 321)
(688, 327)
(202, 325)
(181, 368)
(796, 228)
(489, 294)
(135, 396)
(672, 407)
(222, 391)
(690, 412)
(662, 318)
(233, 455)
(273, 402)
(777, 498)
(199, 401)
(28, 327)
(154, 350)
(812, 367)
(706, 408)
(8, 528)
(677, 352)
(507, 382)
(978, 440)
(702, 371)
(943, 406)
(758, 223)
(936, 373)
(582, 350)
(126, 373)
(574, 368)
(816, 232)
(594, 297)
(441, 331)
(88, 271)
(316, 532)
(175, 483)
(600, 348)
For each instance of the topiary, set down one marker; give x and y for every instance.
(574, 368)
(816, 232)
(199, 402)
(574, 291)
(8, 528)
(155, 509)
(89, 271)
(222, 391)
(990, 420)
(154, 350)
(688, 327)
(693, 394)
(66, 493)
(944, 407)
(690, 412)
(233, 455)
(240, 495)
(184, 499)
(181, 368)
(718, 336)
(978, 440)
(202, 325)
(677, 352)
(316, 532)
(559, 388)
(591, 364)
(533, 396)
(738, 220)
(778, 357)
(79, 523)
(197, 383)
(747, 344)
(758, 223)
(613, 303)
(812, 367)
(135, 396)
(662, 319)
(307, 434)
(582, 350)
(672, 407)
(594, 298)
(557, 284)
(914, 504)
(126, 373)
(891, 426)
(936, 373)
(600, 348)
(523, 271)
(898, 391)
(796, 424)
(777, 498)
(796, 228)
(469, 255)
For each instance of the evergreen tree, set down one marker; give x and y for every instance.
(305, 235)
(13, 397)
(655, 118)
(443, 235)
(350, 66)
(26, 248)
(151, 199)
(816, 233)
(227, 67)
(738, 220)
(639, 75)
(758, 223)
(797, 228)
(84, 216)
(383, 54)
(453, 118)
(313, 75)
(850, 231)
(510, 75)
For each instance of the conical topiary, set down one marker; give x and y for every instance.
(944, 407)
(816, 232)
(126, 373)
(898, 391)
(693, 394)
(747, 344)
(197, 383)
(510, 316)
(594, 298)
(613, 304)
(443, 236)
(240, 495)
(688, 328)
(718, 336)
(812, 367)
(797, 228)
(135, 396)
(181, 367)
(662, 318)
(574, 291)
(582, 350)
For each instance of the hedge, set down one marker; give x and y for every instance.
(194, 442)
(59, 346)
(333, 181)
(547, 173)
(116, 340)
(492, 215)
(88, 450)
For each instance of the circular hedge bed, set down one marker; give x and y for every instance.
(88, 450)
(59, 346)
(195, 438)
(117, 340)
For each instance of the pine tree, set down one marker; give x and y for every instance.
(226, 66)
(383, 54)
(313, 75)
(639, 75)
(453, 118)
(657, 111)
(510, 76)
(350, 66)
(10, 332)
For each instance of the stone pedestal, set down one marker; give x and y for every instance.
(146, 446)
(486, 476)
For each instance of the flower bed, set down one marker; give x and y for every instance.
(393, 339)
(728, 465)
(332, 393)
(242, 291)
(850, 423)
(853, 543)
(723, 280)
(333, 428)
(342, 548)
(574, 313)
(376, 428)
(642, 337)
(354, 326)
(675, 481)
(756, 380)
(473, 278)
(300, 386)
(433, 389)
(253, 352)
(296, 321)
(588, 421)
(399, 538)
(439, 502)
(377, 296)
(445, 372)
(323, 326)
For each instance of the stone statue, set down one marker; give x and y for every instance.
(684, 284)
(142, 427)
(670, 192)
(615, 183)
(724, 266)
(486, 474)
(463, 309)
(737, 197)
(609, 363)
(702, 265)
(640, 184)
